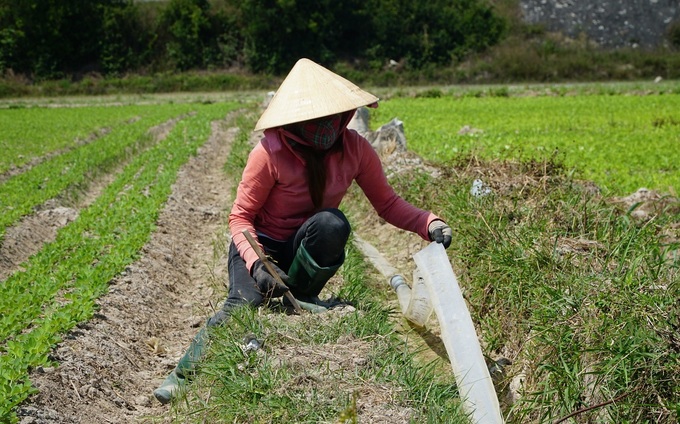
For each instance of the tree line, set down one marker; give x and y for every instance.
(46, 39)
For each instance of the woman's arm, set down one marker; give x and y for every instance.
(256, 183)
(389, 206)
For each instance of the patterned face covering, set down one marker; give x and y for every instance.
(320, 133)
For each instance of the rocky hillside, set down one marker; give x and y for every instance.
(609, 23)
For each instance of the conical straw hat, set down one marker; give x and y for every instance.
(311, 91)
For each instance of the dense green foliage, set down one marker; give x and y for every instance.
(132, 46)
(621, 143)
(208, 45)
(418, 33)
(54, 39)
(47, 38)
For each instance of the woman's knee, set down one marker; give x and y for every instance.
(326, 237)
(334, 223)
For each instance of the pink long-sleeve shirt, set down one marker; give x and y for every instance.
(273, 195)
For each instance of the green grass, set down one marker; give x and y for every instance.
(579, 294)
(622, 143)
(168, 82)
(295, 377)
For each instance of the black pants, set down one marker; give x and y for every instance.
(325, 236)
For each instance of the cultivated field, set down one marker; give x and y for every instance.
(113, 237)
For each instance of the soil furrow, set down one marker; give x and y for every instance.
(28, 236)
(107, 368)
(16, 170)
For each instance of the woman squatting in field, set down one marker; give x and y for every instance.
(288, 200)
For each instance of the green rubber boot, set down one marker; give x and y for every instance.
(184, 370)
(170, 387)
(306, 278)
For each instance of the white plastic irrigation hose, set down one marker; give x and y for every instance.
(414, 302)
(459, 336)
(436, 288)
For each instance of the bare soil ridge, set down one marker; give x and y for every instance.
(108, 367)
(28, 236)
(16, 170)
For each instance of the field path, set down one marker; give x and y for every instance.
(108, 367)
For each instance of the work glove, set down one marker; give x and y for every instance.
(266, 282)
(440, 232)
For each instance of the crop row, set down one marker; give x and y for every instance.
(620, 142)
(59, 286)
(27, 134)
(23, 192)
